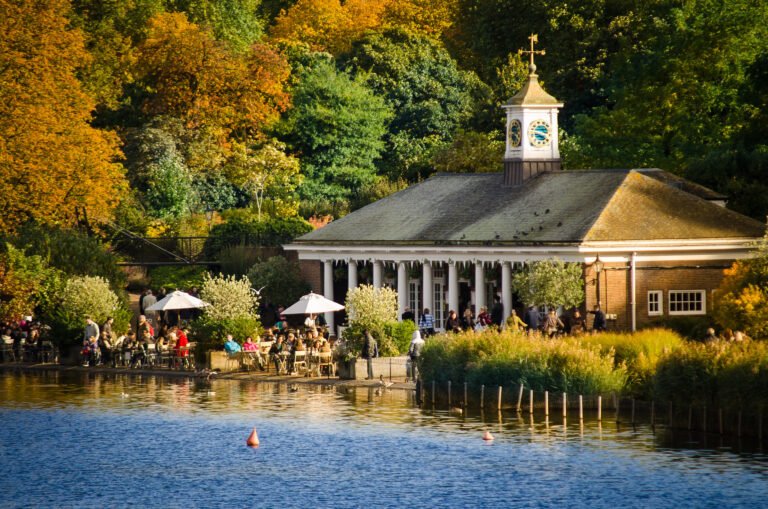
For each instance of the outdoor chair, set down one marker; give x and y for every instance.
(233, 361)
(325, 360)
(6, 348)
(47, 353)
(151, 354)
(300, 361)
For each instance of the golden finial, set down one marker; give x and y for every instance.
(534, 38)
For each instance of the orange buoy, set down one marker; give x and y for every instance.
(253, 439)
(487, 436)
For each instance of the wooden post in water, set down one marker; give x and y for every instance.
(618, 403)
(633, 411)
(581, 407)
(520, 399)
(600, 409)
(465, 394)
(653, 414)
(546, 403)
(449, 394)
(433, 393)
(690, 417)
(738, 429)
(498, 404)
(565, 405)
(530, 402)
(760, 424)
(482, 396)
(390, 369)
(704, 412)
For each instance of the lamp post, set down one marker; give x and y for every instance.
(598, 265)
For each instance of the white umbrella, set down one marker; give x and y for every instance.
(313, 303)
(177, 300)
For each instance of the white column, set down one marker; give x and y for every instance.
(402, 289)
(453, 287)
(328, 292)
(506, 288)
(352, 274)
(426, 284)
(633, 291)
(479, 287)
(378, 272)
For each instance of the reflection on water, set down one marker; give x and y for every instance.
(94, 440)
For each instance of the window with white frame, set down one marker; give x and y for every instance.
(655, 302)
(687, 302)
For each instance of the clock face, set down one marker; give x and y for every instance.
(515, 133)
(539, 133)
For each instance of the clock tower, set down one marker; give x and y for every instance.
(532, 137)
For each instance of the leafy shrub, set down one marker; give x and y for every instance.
(237, 260)
(400, 333)
(393, 338)
(689, 374)
(371, 307)
(691, 327)
(247, 230)
(21, 278)
(72, 252)
(280, 279)
(232, 310)
(177, 277)
(81, 297)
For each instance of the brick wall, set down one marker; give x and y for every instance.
(312, 272)
(615, 287)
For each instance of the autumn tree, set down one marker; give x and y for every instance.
(238, 22)
(328, 25)
(54, 166)
(20, 279)
(428, 17)
(188, 74)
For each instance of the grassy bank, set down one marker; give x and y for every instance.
(651, 364)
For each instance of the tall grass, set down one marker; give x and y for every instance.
(498, 358)
(651, 364)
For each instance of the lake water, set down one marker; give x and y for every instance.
(87, 440)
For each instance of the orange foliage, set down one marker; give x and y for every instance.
(327, 25)
(192, 76)
(429, 17)
(53, 164)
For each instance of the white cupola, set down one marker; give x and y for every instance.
(532, 138)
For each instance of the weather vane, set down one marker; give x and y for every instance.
(534, 38)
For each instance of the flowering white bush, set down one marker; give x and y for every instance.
(229, 297)
(89, 296)
(368, 306)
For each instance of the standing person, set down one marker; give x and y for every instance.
(452, 323)
(427, 323)
(553, 323)
(91, 330)
(369, 352)
(408, 315)
(514, 323)
(578, 324)
(497, 312)
(143, 327)
(532, 319)
(149, 300)
(414, 352)
(598, 325)
(107, 327)
(483, 318)
(468, 319)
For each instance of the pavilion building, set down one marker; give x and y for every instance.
(650, 243)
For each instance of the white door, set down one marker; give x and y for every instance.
(438, 297)
(414, 292)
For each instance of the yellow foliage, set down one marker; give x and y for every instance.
(54, 167)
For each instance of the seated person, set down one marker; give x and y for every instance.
(249, 345)
(275, 350)
(231, 346)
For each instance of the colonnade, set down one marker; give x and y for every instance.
(427, 283)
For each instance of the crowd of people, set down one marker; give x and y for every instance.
(551, 325)
(146, 346)
(26, 340)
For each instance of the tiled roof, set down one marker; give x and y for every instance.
(564, 207)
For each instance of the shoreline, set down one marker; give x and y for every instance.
(397, 384)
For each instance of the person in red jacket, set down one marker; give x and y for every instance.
(182, 341)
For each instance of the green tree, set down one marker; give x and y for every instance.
(236, 21)
(550, 283)
(279, 279)
(430, 95)
(336, 127)
(470, 152)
